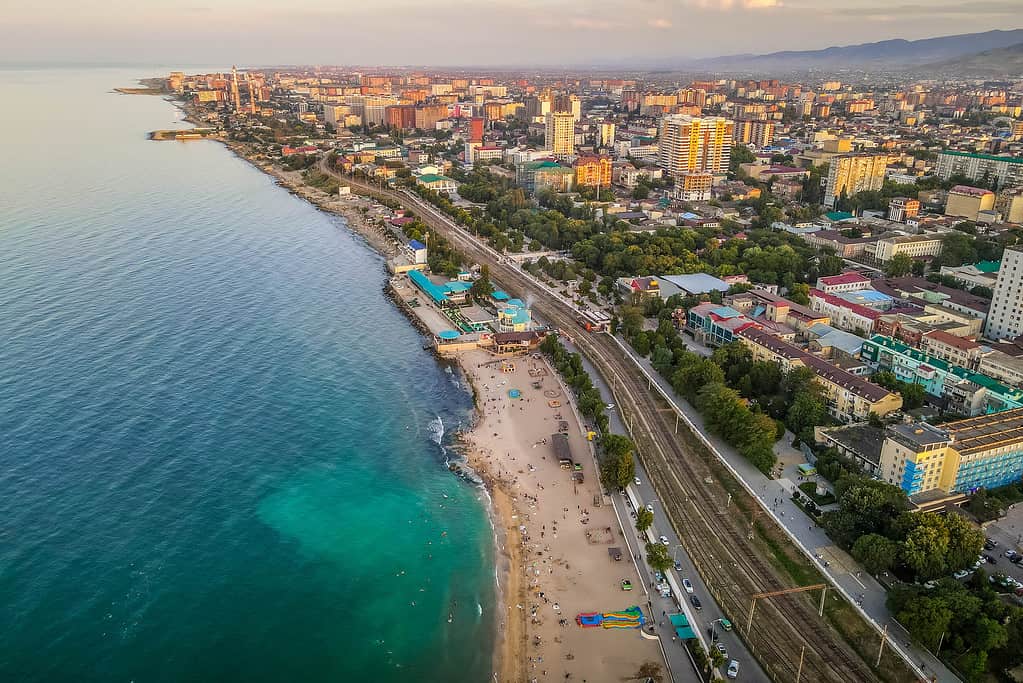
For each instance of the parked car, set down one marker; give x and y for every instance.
(733, 669)
(961, 574)
(989, 559)
(688, 585)
(993, 542)
(1017, 559)
(1011, 553)
(989, 544)
(696, 602)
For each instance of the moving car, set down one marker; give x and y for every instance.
(626, 585)
(649, 508)
(696, 602)
(688, 585)
(636, 480)
(733, 669)
(725, 624)
(720, 647)
(678, 566)
(664, 540)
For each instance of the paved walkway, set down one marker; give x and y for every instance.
(775, 495)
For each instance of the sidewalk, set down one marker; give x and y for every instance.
(843, 571)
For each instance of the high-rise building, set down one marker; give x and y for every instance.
(688, 144)
(852, 173)
(570, 104)
(606, 134)
(476, 129)
(1010, 203)
(752, 131)
(1005, 317)
(1004, 171)
(560, 134)
(400, 116)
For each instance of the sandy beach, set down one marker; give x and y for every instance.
(556, 531)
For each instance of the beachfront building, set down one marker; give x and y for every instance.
(848, 397)
(514, 316)
(963, 391)
(451, 293)
(956, 457)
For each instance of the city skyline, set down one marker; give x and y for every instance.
(458, 33)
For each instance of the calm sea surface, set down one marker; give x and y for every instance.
(221, 447)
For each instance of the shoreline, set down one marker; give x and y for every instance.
(518, 517)
(510, 644)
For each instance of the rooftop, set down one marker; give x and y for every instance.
(918, 435)
(987, 431)
(863, 439)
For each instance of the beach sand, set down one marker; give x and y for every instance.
(556, 532)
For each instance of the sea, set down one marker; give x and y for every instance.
(222, 448)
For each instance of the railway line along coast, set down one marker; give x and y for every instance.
(739, 551)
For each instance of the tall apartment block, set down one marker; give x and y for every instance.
(691, 144)
(560, 134)
(852, 173)
(1005, 171)
(1005, 318)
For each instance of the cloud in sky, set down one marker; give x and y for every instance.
(468, 32)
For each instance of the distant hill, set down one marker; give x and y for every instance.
(890, 54)
(1003, 62)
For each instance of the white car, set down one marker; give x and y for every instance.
(649, 508)
(733, 669)
(961, 574)
(664, 540)
(610, 406)
(636, 481)
(688, 585)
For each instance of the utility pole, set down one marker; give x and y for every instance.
(884, 637)
(799, 671)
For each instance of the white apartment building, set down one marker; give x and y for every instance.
(1005, 318)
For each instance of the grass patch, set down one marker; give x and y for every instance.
(810, 489)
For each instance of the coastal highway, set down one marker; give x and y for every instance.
(789, 638)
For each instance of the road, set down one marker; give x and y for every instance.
(710, 613)
(788, 635)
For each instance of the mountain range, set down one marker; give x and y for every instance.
(889, 55)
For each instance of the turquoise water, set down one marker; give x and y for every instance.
(220, 444)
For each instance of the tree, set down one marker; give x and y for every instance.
(617, 465)
(482, 288)
(900, 264)
(657, 556)
(641, 191)
(912, 395)
(926, 545)
(957, 248)
(964, 542)
(644, 518)
(926, 619)
(875, 552)
(806, 412)
(800, 293)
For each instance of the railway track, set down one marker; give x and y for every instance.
(785, 630)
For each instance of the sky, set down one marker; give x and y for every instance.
(467, 32)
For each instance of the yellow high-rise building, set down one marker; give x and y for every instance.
(852, 173)
(560, 134)
(689, 144)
